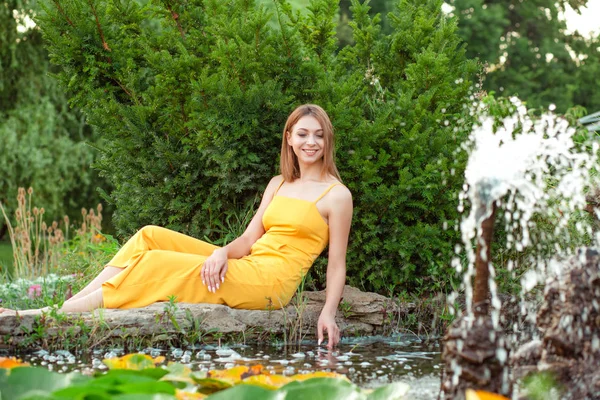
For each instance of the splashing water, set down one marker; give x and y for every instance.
(526, 167)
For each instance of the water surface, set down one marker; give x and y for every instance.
(369, 362)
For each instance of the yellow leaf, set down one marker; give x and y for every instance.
(11, 362)
(471, 394)
(178, 373)
(134, 361)
(223, 379)
(318, 374)
(213, 384)
(182, 395)
(271, 382)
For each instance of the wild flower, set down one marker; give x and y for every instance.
(34, 291)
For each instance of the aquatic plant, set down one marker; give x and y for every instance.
(139, 373)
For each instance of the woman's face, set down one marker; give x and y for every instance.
(306, 140)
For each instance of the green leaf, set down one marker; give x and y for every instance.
(248, 392)
(140, 396)
(322, 389)
(24, 381)
(396, 390)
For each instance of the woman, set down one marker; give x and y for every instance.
(302, 210)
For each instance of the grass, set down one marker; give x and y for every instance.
(54, 259)
(6, 257)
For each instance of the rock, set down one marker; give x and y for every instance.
(475, 356)
(569, 321)
(361, 313)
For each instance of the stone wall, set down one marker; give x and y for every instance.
(360, 313)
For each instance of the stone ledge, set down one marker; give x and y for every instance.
(364, 313)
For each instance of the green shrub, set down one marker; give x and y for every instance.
(42, 141)
(191, 99)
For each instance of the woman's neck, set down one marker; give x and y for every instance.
(311, 172)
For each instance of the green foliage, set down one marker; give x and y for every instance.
(546, 236)
(42, 141)
(541, 385)
(528, 52)
(191, 99)
(6, 256)
(79, 261)
(23, 383)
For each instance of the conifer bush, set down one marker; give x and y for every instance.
(191, 98)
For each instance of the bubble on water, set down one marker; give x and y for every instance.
(224, 352)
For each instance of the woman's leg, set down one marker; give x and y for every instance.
(85, 303)
(152, 237)
(107, 273)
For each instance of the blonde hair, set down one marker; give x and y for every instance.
(290, 169)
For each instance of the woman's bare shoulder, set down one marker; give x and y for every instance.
(340, 193)
(275, 181)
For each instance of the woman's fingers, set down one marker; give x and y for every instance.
(212, 282)
(333, 335)
(213, 275)
(223, 272)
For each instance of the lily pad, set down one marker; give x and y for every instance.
(11, 362)
(393, 391)
(134, 361)
(322, 389)
(23, 381)
(271, 382)
(248, 392)
(471, 394)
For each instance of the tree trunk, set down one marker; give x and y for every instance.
(482, 263)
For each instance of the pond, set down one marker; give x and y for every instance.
(369, 362)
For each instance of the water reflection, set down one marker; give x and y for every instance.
(369, 362)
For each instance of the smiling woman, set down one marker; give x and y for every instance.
(302, 211)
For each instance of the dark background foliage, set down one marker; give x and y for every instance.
(191, 99)
(179, 106)
(42, 141)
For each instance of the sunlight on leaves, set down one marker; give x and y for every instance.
(178, 373)
(318, 374)
(183, 395)
(471, 394)
(271, 382)
(135, 362)
(11, 362)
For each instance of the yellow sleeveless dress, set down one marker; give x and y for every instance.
(158, 263)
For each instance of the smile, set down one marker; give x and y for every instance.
(310, 152)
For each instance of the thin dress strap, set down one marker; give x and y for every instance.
(280, 184)
(326, 191)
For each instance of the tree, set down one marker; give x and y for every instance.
(528, 52)
(191, 99)
(42, 141)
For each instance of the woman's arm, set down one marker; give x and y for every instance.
(215, 266)
(340, 218)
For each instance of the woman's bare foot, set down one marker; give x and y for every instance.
(35, 311)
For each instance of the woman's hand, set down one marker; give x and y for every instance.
(327, 323)
(214, 269)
